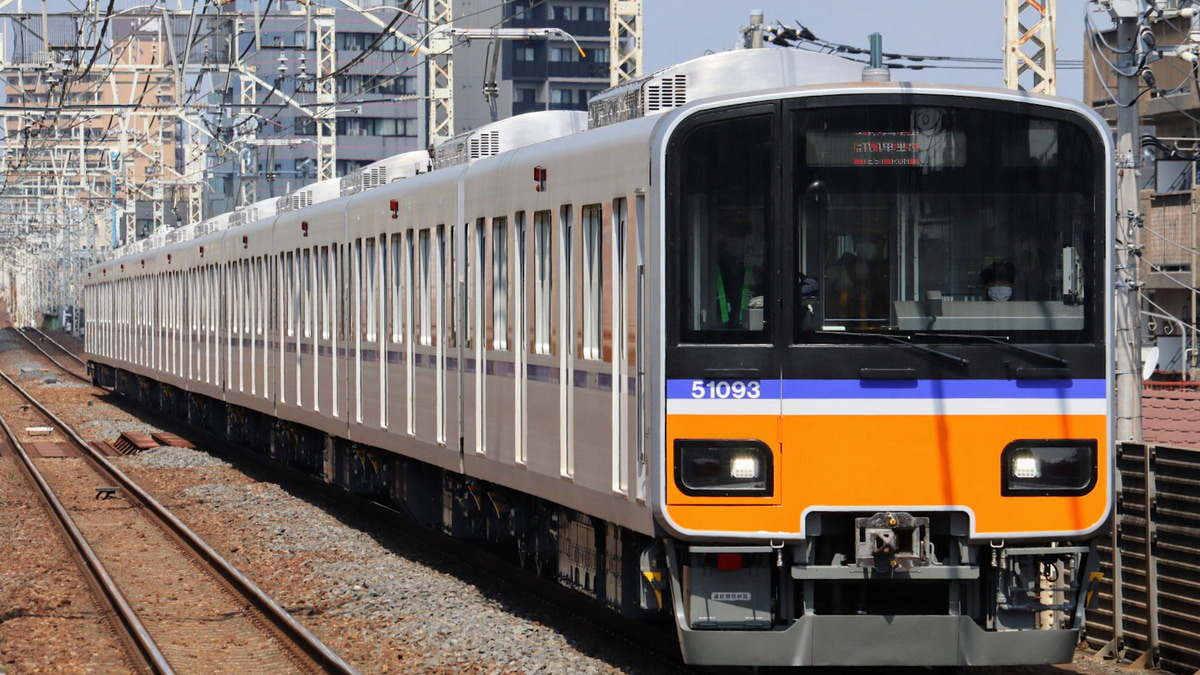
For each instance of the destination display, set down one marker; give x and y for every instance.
(931, 149)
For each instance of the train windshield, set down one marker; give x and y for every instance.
(925, 220)
(943, 220)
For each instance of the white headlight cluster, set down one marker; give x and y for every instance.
(724, 467)
(1026, 466)
(1048, 467)
(744, 467)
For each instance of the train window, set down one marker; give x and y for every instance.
(426, 325)
(566, 290)
(477, 292)
(500, 284)
(247, 300)
(356, 280)
(326, 290)
(593, 280)
(396, 318)
(943, 219)
(235, 288)
(366, 268)
(308, 300)
(450, 263)
(372, 298)
(520, 286)
(288, 292)
(260, 294)
(723, 230)
(543, 271)
(437, 290)
(345, 276)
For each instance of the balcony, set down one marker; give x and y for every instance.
(569, 106)
(541, 70)
(582, 29)
(520, 108)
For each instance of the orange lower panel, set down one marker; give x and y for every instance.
(902, 461)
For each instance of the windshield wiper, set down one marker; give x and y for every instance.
(957, 360)
(1001, 341)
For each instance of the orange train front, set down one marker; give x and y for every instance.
(886, 387)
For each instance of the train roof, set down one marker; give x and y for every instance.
(715, 75)
(508, 134)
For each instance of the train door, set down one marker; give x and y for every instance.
(441, 329)
(475, 349)
(425, 387)
(520, 338)
(566, 343)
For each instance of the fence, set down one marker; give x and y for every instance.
(1147, 605)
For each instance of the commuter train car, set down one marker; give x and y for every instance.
(817, 367)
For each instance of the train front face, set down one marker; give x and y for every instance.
(886, 393)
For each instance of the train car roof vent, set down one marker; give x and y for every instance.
(259, 210)
(309, 195)
(671, 92)
(716, 75)
(509, 134)
(246, 214)
(485, 144)
(214, 224)
(398, 167)
(300, 199)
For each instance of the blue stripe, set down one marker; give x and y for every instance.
(909, 389)
(683, 389)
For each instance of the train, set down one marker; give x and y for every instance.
(812, 363)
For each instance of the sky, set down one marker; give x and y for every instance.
(678, 30)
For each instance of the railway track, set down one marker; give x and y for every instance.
(180, 606)
(651, 640)
(43, 339)
(623, 635)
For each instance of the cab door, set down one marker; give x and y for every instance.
(725, 319)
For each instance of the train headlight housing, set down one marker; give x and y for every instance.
(724, 468)
(1048, 467)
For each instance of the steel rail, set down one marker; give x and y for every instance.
(298, 634)
(52, 359)
(146, 650)
(54, 342)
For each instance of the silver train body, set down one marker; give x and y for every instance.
(486, 342)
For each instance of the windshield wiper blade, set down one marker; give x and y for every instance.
(1004, 342)
(957, 360)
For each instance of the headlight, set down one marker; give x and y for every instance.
(723, 468)
(1048, 467)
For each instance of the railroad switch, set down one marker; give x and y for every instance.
(105, 492)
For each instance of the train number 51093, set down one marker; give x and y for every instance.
(721, 389)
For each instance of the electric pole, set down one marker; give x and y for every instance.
(1127, 316)
(1030, 48)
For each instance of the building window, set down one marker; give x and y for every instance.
(376, 126)
(593, 14)
(599, 55)
(560, 13)
(564, 54)
(524, 54)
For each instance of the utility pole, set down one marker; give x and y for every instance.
(1127, 316)
(326, 117)
(625, 47)
(440, 73)
(1019, 38)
